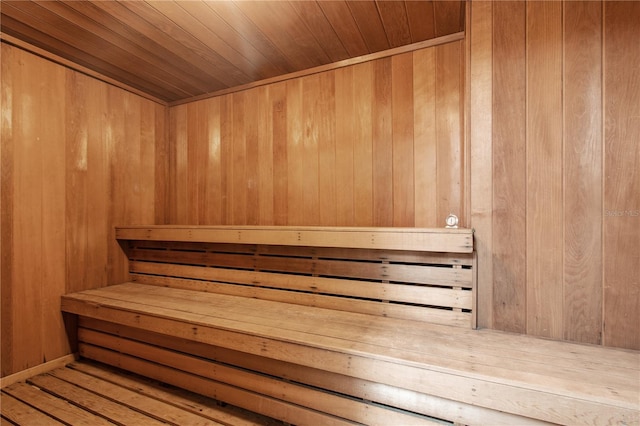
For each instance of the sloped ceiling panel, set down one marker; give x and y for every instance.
(175, 50)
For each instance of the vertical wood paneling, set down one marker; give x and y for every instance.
(145, 185)
(226, 153)
(27, 223)
(8, 81)
(509, 180)
(278, 101)
(449, 154)
(480, 129)
(162, 164)
(425, 146)
(118, 155)
(311, 119)
(402, 146)
(213, 213)
(622, 174)
(239, 185)
(265, 158)
(327, 185)
(345, 137)
(52, 145)
(194, 159)
(357, 145)
(363, 145)
(87, 183)
(544, 169)
(563, 181)
(295, 154)
(251, 163)
(383, 209)
(78, 157)
(582, 171)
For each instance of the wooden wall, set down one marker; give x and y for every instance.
(78, 157)
(374, 144)
(552, 186)
(555, 167)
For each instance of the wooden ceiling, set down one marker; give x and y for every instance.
(176, 50)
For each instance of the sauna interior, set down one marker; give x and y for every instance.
(522, 118)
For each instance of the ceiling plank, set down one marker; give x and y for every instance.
(367, 17)
(249, 33)
(422, 22)
(13, 25)
(344, 24)
(281, 24)
(75, 66)
(117, 18)
(318, 24)
(395, 21)
(449, 17)
(103, 26)
(178, 24)
(230, 41)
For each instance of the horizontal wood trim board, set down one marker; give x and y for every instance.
(438, 240)
(42, 368)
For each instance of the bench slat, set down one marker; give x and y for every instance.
(421, 239)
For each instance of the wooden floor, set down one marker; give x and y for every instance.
(88, 393)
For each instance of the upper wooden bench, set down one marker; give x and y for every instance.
(339, 325)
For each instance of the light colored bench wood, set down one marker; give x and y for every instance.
(338, 334)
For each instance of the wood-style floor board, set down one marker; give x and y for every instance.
(87, 393)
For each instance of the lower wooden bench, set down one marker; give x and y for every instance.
(279, 338)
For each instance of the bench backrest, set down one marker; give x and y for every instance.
(364, 270)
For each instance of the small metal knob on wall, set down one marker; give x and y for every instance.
(451, 221)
